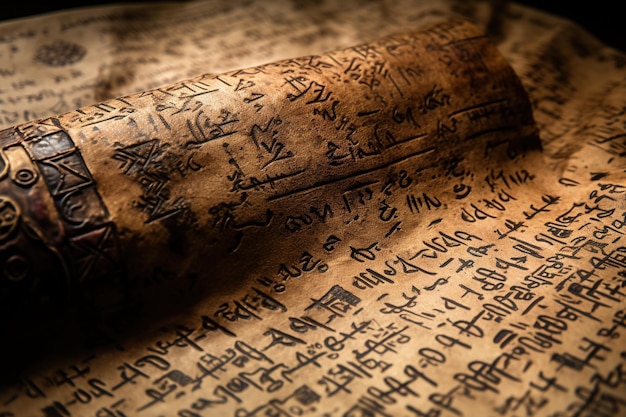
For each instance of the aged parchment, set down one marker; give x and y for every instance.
(380, 230)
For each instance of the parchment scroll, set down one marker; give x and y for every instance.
(363, 232)
(206, 173)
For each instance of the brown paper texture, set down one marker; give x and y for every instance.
(365, 209)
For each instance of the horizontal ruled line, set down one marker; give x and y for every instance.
(469, 39)
(487, 131)
(354, 174)
(409, 139)
(360, 185)
(478, 106)
(367, 113)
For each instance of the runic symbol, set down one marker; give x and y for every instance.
(95, 253)
(139, 157)
(65, 173)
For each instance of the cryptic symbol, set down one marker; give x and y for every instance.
(60, 53)
(25, 177)
(9, 217)
(16, 268)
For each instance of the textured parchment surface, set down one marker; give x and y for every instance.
(360, 209)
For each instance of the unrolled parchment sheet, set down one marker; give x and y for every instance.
(397, 227)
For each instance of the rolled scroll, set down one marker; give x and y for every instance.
(193, 181)
(365, 232)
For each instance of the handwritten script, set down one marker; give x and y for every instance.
(401, 227)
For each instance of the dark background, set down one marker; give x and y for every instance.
(603, 18)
